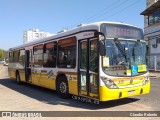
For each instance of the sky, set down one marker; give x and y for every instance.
(52, 16)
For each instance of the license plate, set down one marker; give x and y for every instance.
(131, 92)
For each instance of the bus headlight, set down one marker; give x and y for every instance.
(109, 83)
(145, 80)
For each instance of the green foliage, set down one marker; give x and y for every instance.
(2, 54)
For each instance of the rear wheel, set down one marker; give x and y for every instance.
(62, 87)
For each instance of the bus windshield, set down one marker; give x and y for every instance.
(127, 62)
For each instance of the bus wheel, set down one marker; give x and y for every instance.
(62, 87)
(18, 78)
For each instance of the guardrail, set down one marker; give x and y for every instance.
(153, 63)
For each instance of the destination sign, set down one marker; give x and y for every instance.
(121, 31)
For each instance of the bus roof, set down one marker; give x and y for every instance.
(79, 28)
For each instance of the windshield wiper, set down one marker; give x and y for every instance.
(120, 47)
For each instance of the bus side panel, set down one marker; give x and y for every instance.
(73, 87)
(72, 82)
(22, 75)
(9, 72)
(47, 82)
(113, 94)
(12, 73)
(34, 77)
(42, 79)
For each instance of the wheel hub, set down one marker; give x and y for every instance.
(63, 87)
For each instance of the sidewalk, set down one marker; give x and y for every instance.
(1, 66)
(153, 74)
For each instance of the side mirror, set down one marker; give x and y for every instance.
(102, 48)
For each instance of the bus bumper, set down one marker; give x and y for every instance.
(107, 94)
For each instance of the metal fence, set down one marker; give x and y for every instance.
(153, 63)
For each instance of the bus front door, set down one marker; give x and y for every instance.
(88, 68)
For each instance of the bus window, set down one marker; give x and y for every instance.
(67, 53)
(10, 57)
(50, 54)
(22, 57)
(16, 56)
(38, 56)
(83, 55)
(93, 56)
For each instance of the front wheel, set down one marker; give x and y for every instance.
(62, 87)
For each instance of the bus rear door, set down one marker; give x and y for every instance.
(28, 54)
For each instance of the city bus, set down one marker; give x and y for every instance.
(100, 61)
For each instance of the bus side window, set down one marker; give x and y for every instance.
(16, 56)
(10, 57)
(38, 56)
(50, 54)
(67, 53)
(22, 57)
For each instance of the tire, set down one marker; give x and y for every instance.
(62, 87)
(18, 80)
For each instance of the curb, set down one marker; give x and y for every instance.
(154, 77)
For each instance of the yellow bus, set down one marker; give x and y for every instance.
(99, 61)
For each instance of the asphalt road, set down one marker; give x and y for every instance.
(27, 97)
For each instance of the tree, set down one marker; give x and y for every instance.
(3, 54)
